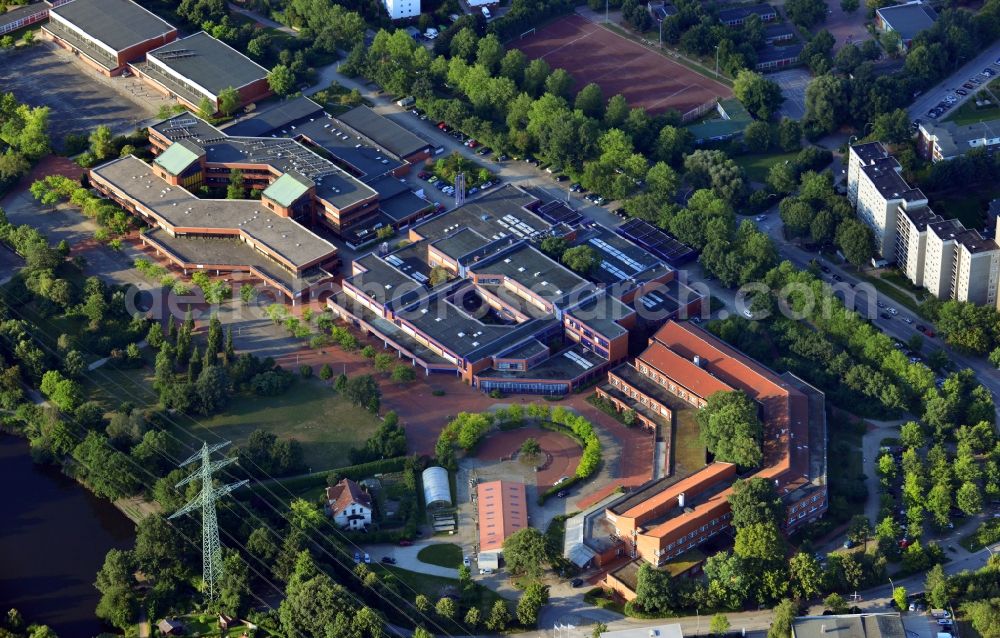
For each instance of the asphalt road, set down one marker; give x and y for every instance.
(930, 98)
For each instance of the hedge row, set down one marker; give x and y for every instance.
(353, 472)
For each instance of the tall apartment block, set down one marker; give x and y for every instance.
(877, 189)
(936, 253)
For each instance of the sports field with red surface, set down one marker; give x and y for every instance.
(592, 53)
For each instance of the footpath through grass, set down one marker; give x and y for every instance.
(442, 555)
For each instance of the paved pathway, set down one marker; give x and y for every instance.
(265, 21)
(406, 557)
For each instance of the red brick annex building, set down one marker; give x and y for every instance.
(666, 518)
(115, 36)
(107, 34)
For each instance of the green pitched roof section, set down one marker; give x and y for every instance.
(732, 109)
(178, 157)
(733, 119)
(288, 188)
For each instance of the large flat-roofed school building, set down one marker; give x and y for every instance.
(508, 317)
(200, 67)
(107, 34)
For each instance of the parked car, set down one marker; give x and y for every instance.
(484, 571)
(368, 558)
(405, 543)
(357, 557)
(562, 479)
(467, 561)
(562, 493)
(961, 92)
(576, 582)
(575, 187)
(388, 560)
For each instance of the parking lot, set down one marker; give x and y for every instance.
(970, 88)
(793, 84)
(80, 99)
(931, 98)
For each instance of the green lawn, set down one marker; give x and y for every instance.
(757, 166)
(441, 554)
(688, 452)
(325, 424)
(987, 533)
(969, 113)
(111, 387)
(969, 207)
(893, 291)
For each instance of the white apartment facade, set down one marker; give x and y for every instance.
(941, 255)
(401, 9)
(877, 190)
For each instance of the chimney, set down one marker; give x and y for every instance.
(680, 500)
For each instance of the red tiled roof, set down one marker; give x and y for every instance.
(691, 486)
(683, 371)
(345, 493)
(786, 409)
(503, 509)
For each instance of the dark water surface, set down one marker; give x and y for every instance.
(53, 538)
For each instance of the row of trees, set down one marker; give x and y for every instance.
(25, 136)
(817, 213)
(957, 36)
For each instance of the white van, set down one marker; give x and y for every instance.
(405, 102)
(486, 13)
(431, 33)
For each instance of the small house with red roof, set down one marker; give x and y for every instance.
(349, 505)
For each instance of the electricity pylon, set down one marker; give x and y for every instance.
(211, 548)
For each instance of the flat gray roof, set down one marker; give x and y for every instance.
(887, 625)
(281, 115)
(118, 24)
(498, 214)
(884, 175)
(870, 151)
(535, 271)
(20, 13)
(460, 243)
(602, 312)
(383, 131)
(333, 184)
(211, 64)
(180, 208)
(908, 19)
(221, 250)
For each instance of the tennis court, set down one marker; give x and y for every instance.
(592, 53)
